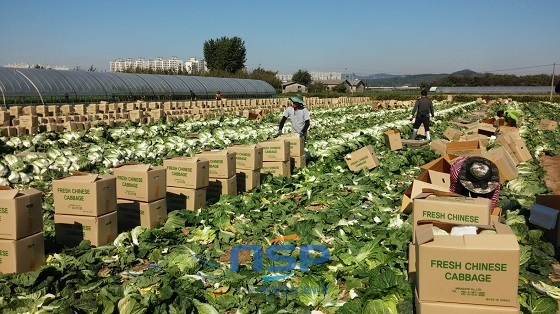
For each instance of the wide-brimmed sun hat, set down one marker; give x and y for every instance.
(479, 175)
(298, 98)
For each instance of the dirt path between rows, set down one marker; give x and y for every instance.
(552, 177)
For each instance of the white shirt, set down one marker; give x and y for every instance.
(297, 118)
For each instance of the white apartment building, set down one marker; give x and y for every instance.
(195, 65)
(159, 64)
(315, 76)
(46, 66)
(325, 76)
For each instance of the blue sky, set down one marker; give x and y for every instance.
(360, 36)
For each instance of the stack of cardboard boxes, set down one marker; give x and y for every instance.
(248, 163)
(297, 153)
(222, 176)
(22, 244)
(473, 272)
(187, 181)
(85, 207)
(141, 196)
(276, 157)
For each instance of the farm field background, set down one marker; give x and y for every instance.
(183, 266)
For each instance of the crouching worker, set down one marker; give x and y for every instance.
(511, 117)
(298, 115)
(475, 177)
(423, 108)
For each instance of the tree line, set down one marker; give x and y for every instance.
(489, 79)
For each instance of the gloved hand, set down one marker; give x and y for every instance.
(278, 134)
(301, 134)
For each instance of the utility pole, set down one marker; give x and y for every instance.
(552, 81)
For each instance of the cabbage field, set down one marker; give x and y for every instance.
(184, 266)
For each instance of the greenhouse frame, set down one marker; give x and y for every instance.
(19, 86)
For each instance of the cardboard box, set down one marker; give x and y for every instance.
(505, 163)
(219, 187)
(547, 125)
(457, 210)
(393, 140)
(482, 128)
(544, 215)
(506, 129)
(248, 179)
(187, 172)
(180, 198)
(21, 213)
(298, 162)
(222, 163)
(363, 158)
(296, 143)
(411, 270)
(277, 168)
(134, 213)
(439, 146)
(520, 150)
(28, 121)
(249, 157)
(465, 148)
(424, 181)
(140, 182)
(276, 150)
(85, 194)
(427, 307)
(452, 134)
(70, 230)
(23, 255)
(475, 269)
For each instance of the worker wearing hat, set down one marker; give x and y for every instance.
(298, 115)
(475, 177)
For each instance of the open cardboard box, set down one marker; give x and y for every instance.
(465, 148)
(393, 140)
(450, 208)
(429, 179)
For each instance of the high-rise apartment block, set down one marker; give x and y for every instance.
(159, 64)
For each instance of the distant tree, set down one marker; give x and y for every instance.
(317, 87)
(37, 66)
(267, 76)
(302, 77)
(225, 54)
(92, 69)
(77, 68)
(340, 88)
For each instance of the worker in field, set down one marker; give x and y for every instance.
(475, 176)
(218, 96)
(511, 116)
(298, 115)
(423, 109)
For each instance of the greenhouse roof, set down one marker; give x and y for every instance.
(16, 82)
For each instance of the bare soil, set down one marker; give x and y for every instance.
(552, 167)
